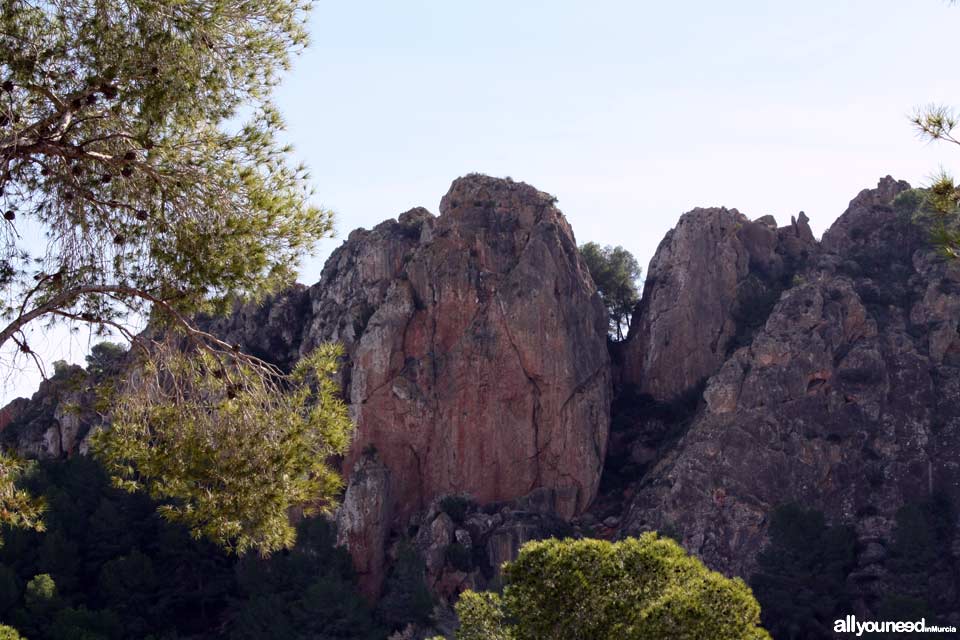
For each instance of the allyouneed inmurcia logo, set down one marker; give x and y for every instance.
(850, 624)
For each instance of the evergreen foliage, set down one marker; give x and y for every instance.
(923, 570)
(639, 588)
(406, 598)
(9, 633)
(17, 507)
(138, 139)
(110, 568)
(942, 198)
(228, 452)
(801, 580)
(615, 272)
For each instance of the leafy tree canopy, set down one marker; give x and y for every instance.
(17, 507)
(139, 164)
(141, 176)
(229, 452)
(9, 633)
(615, 272)
(645, 587)
(123, 573)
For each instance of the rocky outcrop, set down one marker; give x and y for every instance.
(272, 329)
(477, 349)
(762, 367)
(845, 401)
(476, 353)
(364, 520)
(55, 421)
(482, 367)
(464, 544)
(12, 412)
(713, 276)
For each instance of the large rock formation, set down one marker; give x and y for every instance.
(477, 367)
(477, 349)
(477, 359)
(711, 277)
(847, 400)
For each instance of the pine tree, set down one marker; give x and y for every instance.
(615, 272)
(638, 588)
(141, 176)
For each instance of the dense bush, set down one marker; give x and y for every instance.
(457, 507)
(9, 633)
(110, 568)
(640, 588)
(406, 598)
(924, 575)
(801, 581)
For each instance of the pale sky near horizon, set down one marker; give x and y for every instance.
(631, 113)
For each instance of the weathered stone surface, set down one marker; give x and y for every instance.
(483, 539)
(12, 412)
(482, 367)
(477, 364)
(846, 400)
(364, 519)
(477, 349)
(54, 422)
(475, 346)
(712, 276)
(272, 330)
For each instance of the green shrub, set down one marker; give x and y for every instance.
(9, 589)
(644, 588)
(115, 567)
(9, 633)
(801, 578)
(922, 570)
(406, 597)
(41, 591)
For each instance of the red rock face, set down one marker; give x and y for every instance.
(484, 369)
(11, 412)
(477, 348)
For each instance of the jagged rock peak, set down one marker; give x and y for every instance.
(872, 223)
(477, 350)
(847, 400)
(710, 284)
(515, 201)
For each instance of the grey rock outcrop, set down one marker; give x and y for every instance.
(55, 421)
(712, 276)
(364, 520)
(846, 400)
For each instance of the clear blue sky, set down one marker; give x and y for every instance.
(629, 112)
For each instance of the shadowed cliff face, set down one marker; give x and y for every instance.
(846, 399)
